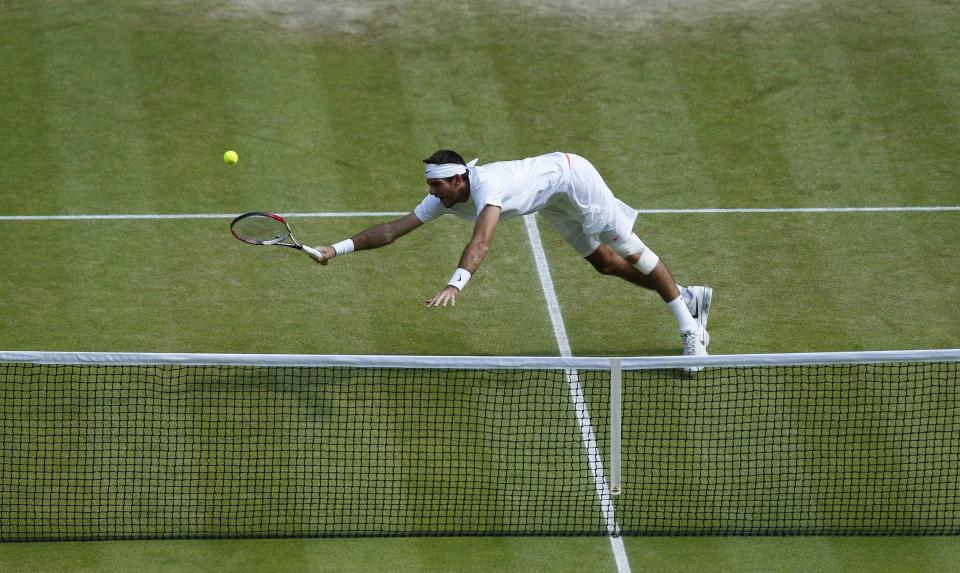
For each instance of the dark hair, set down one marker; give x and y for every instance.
(445, 156)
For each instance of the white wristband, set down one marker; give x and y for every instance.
(343, 247)
(460, 278)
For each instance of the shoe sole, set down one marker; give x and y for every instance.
(705, 307)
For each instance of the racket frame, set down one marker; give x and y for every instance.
(279, 241)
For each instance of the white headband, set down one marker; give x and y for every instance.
(444, 170)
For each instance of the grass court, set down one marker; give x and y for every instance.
(127, 107)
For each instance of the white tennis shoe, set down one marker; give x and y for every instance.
(695, 343)
(699, 303)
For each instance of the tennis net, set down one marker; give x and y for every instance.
(124, 446)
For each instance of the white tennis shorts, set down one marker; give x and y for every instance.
(589, 215)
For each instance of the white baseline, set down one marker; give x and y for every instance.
(373, 214)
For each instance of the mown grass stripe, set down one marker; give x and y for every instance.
(903, 110)
(737, 133)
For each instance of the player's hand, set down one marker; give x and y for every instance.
(328, 253)
(447, 295)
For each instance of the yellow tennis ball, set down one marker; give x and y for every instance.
(230, 157)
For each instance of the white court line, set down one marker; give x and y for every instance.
(192, 216)
(576, 396)
(802, 210)
(402, 213)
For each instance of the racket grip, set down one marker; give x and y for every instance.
(312, 251)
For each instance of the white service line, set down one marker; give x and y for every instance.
(576, 396)
(402, 213)
(801, 210)
(192, 216)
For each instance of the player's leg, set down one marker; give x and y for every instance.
(634, 252)
(697, 298)
(610, 220)
(607, 262)
(627, 258)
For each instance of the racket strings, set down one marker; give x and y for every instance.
(260, 229)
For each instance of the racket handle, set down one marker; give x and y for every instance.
(312, 251)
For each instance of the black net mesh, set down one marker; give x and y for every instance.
(113, 452)
(837, 449)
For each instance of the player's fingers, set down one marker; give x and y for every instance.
(324, 255)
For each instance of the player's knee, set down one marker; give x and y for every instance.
(628, 245)
(631, 245)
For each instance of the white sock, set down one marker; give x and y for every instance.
(682, 314)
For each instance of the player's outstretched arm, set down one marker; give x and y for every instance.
(373, 238)
(474, 253)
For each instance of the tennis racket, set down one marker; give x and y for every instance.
(258, 228)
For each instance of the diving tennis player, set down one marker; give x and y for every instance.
(569, 193)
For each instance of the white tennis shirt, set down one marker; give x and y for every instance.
(517, 187)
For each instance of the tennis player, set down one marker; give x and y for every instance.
(569, 193)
